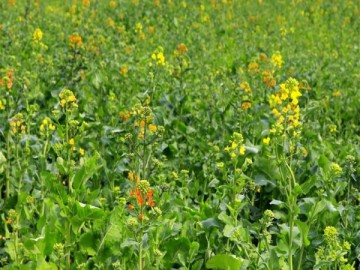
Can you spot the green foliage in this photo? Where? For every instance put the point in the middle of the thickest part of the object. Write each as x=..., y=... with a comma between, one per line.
x=151, y=134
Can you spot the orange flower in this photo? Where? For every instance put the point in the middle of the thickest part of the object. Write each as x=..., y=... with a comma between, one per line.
x=139, y=197
x=141, y=216
x=152, y=127
x=149, y=198
x=130, y=207
x=10, y=76
x=75, y=41
x=181, y=49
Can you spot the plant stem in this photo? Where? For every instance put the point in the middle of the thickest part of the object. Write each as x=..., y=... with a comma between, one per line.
x=16, y=244
x=300, y=256
x=141, y=246
x=8, y=167
x=291, y=224
x=68, y=245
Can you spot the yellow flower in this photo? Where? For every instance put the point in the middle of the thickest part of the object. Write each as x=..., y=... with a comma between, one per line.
x=81, y=151
x=72, y=142
x=336, y=93
x=242, y=150
x=337, y=170
x=37, y=35
x=71, y=99
x=220, y=165
x=276, y=60
x=124, y=70
x=160, y=59
x=332, y=128
x=246, y=105
x=330, y=233
x=138, y=27
x=112, y=4
x=266, y=140
x=2, y=107
x=86, y=3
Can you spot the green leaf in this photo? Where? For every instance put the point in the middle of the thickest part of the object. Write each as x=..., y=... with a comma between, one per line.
x=88, y=243
x=262, y=180
x=88, y=212
x=225, y=262
x=323, y=161
x=43, y=265
x=194, y=249
x=276, y=202
x=210, y=222
x=90, y=167
x=228, y=230
x=225, y=218
x=308, y=185
x=250, y=148
x=304, y=231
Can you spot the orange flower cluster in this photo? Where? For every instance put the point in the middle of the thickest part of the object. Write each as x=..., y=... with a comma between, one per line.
x=75, y=41
x=268, y=78
x=141, y=198
x=8, y=79
x=124, y=115
x=181, y=49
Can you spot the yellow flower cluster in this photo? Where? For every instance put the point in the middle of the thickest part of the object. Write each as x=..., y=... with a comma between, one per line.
x=37, y=35
x=236, y=145
x=124, y=70
x=253, y=68
x=85, y=3
x=330, y=233
x=2, y=104
x=284, y=104
x=336, y=169
x=16, y=124
x=73, y=148
x=67, y=97
x=277, y=60
x=159, y=58
x=245, y=86
x=46, y=126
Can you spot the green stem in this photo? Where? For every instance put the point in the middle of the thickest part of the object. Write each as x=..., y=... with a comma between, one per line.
x=141, y=243
x=300, y=256
x=291, y=225
x=68, y=245
x=144, y=151
x=19, y=166
x=8, y=167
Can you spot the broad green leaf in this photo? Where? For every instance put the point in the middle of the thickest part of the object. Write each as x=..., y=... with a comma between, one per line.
x=225, y=218
x=89, y=168
x=210, y=222
x=194, y=249
x=276, y=202
x=304, y=231
x=224, y=262
x=88, y=243
x=228, y=230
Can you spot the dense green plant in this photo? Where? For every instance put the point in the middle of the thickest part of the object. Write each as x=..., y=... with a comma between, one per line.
x=217, y=134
